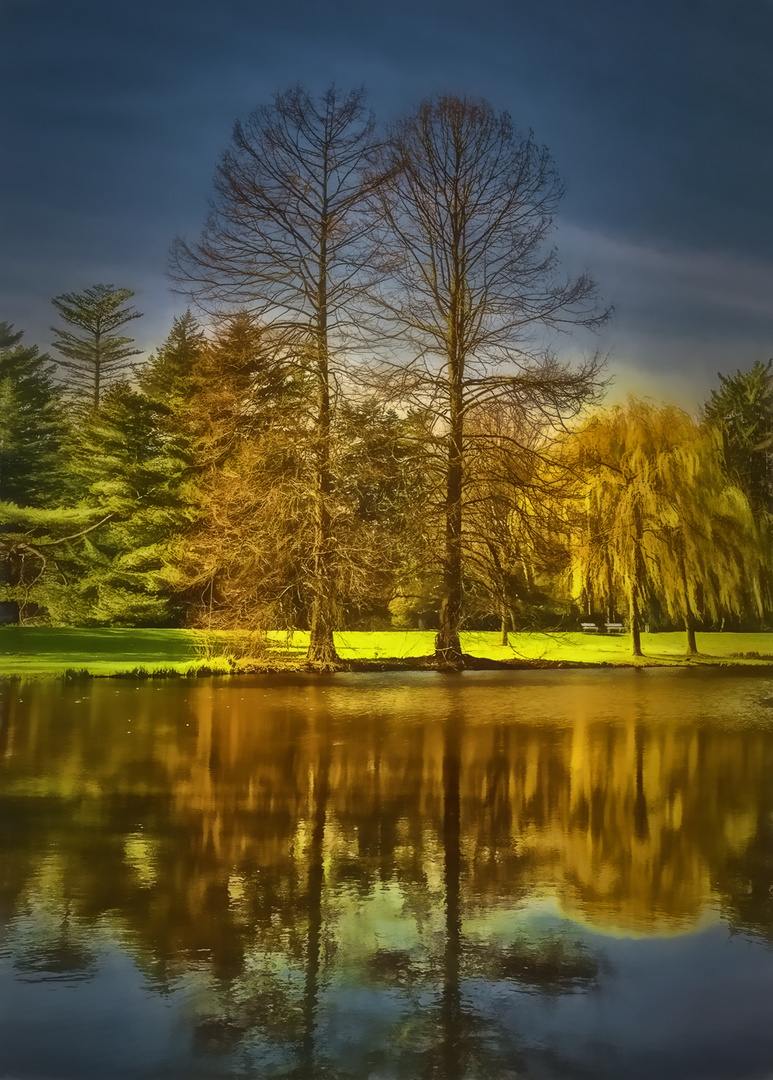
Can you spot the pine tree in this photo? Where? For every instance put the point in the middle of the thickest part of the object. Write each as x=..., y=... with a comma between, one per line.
x=96, y=357
x=167, y=375
x=132, y=465
x=743, y=408
x=244, y=559
x=31, y=424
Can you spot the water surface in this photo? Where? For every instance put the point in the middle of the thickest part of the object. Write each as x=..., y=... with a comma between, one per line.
x=534, y=874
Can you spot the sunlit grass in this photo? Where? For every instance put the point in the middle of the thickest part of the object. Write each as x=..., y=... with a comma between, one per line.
x=569, y=647
x=47, y=651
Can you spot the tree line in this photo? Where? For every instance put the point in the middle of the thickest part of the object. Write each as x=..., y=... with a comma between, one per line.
x=368, y=422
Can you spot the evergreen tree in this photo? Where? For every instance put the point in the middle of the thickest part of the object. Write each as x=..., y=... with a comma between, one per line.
x=31, y=424
x=743, y=406
x=132, y=465
x=97, y=356
x=168, y=373
x=37, y=552
x=244, y=559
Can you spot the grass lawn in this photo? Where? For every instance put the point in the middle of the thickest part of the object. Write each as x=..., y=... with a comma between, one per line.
x=47, y=651
x=44, y=650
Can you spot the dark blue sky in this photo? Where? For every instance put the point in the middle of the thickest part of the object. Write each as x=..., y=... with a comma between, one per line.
x=659, y=114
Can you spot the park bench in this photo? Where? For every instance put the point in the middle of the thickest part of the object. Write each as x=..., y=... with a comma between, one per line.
x=589, y=628
x=614, y=627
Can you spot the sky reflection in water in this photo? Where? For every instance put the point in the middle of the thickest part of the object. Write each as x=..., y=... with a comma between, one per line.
x=557, y=875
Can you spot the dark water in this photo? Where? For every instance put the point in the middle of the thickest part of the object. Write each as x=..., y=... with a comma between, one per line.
x=552, y=875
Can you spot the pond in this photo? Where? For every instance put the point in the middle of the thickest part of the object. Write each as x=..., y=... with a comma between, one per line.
x=547, y=874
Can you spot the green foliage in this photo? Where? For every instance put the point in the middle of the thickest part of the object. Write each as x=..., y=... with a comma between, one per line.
x=132, y=466
x=31, y=424
x=743, y=406
x=97, y=356
x=168, y=374
x=661, y=520
x=379, y=481
x=34, y=547
x=129, y=465
x=242, y=559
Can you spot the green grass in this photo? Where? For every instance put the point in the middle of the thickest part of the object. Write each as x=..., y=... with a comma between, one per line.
x=46, y=651
x=566, y=647
x=42, y=650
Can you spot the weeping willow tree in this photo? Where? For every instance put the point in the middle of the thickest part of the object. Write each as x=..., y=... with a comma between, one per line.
x=661, y=521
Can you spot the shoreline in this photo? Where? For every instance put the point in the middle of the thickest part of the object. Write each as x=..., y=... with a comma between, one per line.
x=74, y=653
x=382, y=665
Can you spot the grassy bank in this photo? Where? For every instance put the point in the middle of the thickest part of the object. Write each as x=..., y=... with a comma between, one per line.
x=45, y=651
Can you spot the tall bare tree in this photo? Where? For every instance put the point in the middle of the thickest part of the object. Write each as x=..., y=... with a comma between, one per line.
x=465, y=209
x=284, y=239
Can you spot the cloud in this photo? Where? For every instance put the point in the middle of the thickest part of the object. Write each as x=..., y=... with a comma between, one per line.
x=644, y=275
x=681, y=315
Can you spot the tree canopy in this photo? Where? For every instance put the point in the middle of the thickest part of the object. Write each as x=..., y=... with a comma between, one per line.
x=743, y=406
x=284, y=239
x=32, y=427
x=370, y=421
x=97, y=356
x=662, y=521
x=463, y=214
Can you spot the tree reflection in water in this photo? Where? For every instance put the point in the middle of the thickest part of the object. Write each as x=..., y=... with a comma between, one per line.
x=341, y=879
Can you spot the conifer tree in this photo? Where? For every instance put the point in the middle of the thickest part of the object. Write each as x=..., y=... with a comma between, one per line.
x=132, y=465
x=31, y=423
x=169, y=370
x=95, y=355
x=743, y=407
x=242, y=561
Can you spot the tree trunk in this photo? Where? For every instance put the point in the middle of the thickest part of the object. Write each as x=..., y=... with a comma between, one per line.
x=322, y=651
x=635, y=620
x=448, y=649
x=636, y=586
x=689, y=617
x=97, y=366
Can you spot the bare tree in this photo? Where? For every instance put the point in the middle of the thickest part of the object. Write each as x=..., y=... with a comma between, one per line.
x=284, y=239
x=465, y=208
